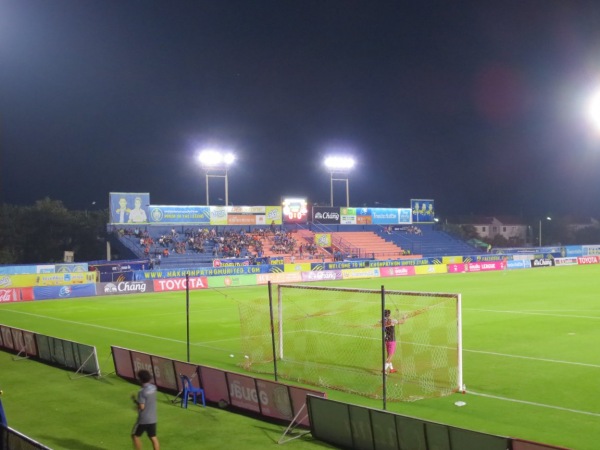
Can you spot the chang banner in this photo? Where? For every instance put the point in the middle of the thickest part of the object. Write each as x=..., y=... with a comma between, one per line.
x=166, y=215
x=326, y=215
x=128, y=208
x=422, y=210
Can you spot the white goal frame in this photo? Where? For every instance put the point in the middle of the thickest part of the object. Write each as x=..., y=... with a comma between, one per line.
x=460, y=387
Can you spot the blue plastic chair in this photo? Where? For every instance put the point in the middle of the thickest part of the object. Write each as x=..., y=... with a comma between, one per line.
x=189, y=390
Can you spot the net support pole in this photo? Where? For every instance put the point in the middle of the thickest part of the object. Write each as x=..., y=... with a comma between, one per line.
x=187, y=313
x=383, y=349
x=273, y=328
x=461, y=385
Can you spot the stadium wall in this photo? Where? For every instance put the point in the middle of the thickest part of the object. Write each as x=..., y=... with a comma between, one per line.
x=53, y=285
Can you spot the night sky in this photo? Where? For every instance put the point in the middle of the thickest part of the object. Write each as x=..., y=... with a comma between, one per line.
x=479, y=105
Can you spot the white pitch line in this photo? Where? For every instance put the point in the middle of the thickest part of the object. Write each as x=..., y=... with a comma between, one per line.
x=540, y=405
x=102, y=327
x=558, y=361
x=562, y=316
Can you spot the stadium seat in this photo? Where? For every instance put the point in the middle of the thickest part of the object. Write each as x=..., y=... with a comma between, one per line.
x=189, y=390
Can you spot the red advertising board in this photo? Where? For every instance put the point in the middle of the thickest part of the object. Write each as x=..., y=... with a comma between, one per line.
x=215, y=384
x=456, y=268
x=268, y=398
x=122, y=360
x=164, y=373
x=485, y=266
x=398, y=271
x=179, y=284
x=588, y=259
x=243, y=392
x=16, y=295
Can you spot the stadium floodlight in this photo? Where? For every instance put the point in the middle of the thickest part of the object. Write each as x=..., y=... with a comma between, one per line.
x=594, y=109
x=540, y=232
x=339, y=168
x=215, y=164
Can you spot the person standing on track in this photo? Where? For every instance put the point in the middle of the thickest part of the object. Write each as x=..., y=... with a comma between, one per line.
x=146, y=406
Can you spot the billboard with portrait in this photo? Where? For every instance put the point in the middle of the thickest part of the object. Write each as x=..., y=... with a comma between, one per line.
x=128, y=208
x=423, y=211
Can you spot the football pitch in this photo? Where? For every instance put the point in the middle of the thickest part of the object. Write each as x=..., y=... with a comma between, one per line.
x=531, y=350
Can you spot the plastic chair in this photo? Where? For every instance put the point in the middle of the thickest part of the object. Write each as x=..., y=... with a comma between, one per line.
x=189, y=390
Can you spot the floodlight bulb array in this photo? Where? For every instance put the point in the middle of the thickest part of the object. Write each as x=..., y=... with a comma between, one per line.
x=339, y=162
x=594, y=110
x=214, y=158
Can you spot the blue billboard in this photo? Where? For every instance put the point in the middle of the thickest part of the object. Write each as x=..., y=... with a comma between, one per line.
x=163, y=214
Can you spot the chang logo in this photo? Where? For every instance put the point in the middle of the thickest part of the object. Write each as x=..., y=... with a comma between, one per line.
x=110, y=289
x=65, y=291
x=156, y=214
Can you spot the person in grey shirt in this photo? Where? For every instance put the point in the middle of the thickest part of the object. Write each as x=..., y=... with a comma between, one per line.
x=146, y=406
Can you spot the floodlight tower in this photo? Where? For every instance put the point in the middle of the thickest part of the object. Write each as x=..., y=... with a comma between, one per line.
x=339, y=169
x=215, y=164
x=540, y=234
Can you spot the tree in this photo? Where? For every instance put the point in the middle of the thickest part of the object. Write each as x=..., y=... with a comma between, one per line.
x=43, y=232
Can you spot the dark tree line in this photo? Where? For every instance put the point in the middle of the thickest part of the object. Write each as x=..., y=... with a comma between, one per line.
x=43, y=232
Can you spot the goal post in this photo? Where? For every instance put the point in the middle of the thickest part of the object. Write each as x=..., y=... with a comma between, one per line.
x=332, y=337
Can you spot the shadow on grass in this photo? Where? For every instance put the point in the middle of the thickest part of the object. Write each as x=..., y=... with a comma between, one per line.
x=70, y=443
x=299, y=434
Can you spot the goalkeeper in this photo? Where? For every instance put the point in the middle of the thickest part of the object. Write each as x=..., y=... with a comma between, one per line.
x=390, y=339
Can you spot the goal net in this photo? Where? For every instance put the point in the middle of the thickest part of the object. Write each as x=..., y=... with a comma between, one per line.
x=333, y=338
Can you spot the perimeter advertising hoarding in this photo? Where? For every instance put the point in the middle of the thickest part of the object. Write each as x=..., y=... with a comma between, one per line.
x=401, y=271
x=70, y=354
x=16, y=295
x=140, y=275
x=238, y=280
x=323, y=275
x=180, y=284
x=476, y=267
x=268, y=398
x=351, y=426
x=422, y=210
x=588, y=260
x=128, y=208
x=46, y=279
x=125, y=287
x=18, y=340
x=75, y=291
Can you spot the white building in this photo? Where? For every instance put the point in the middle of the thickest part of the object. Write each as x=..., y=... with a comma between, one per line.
x=490, y=227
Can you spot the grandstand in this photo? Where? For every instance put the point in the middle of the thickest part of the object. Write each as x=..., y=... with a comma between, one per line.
x=347, y=242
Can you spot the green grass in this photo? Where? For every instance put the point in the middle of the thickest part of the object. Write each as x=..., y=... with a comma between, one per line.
x=531, y=362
